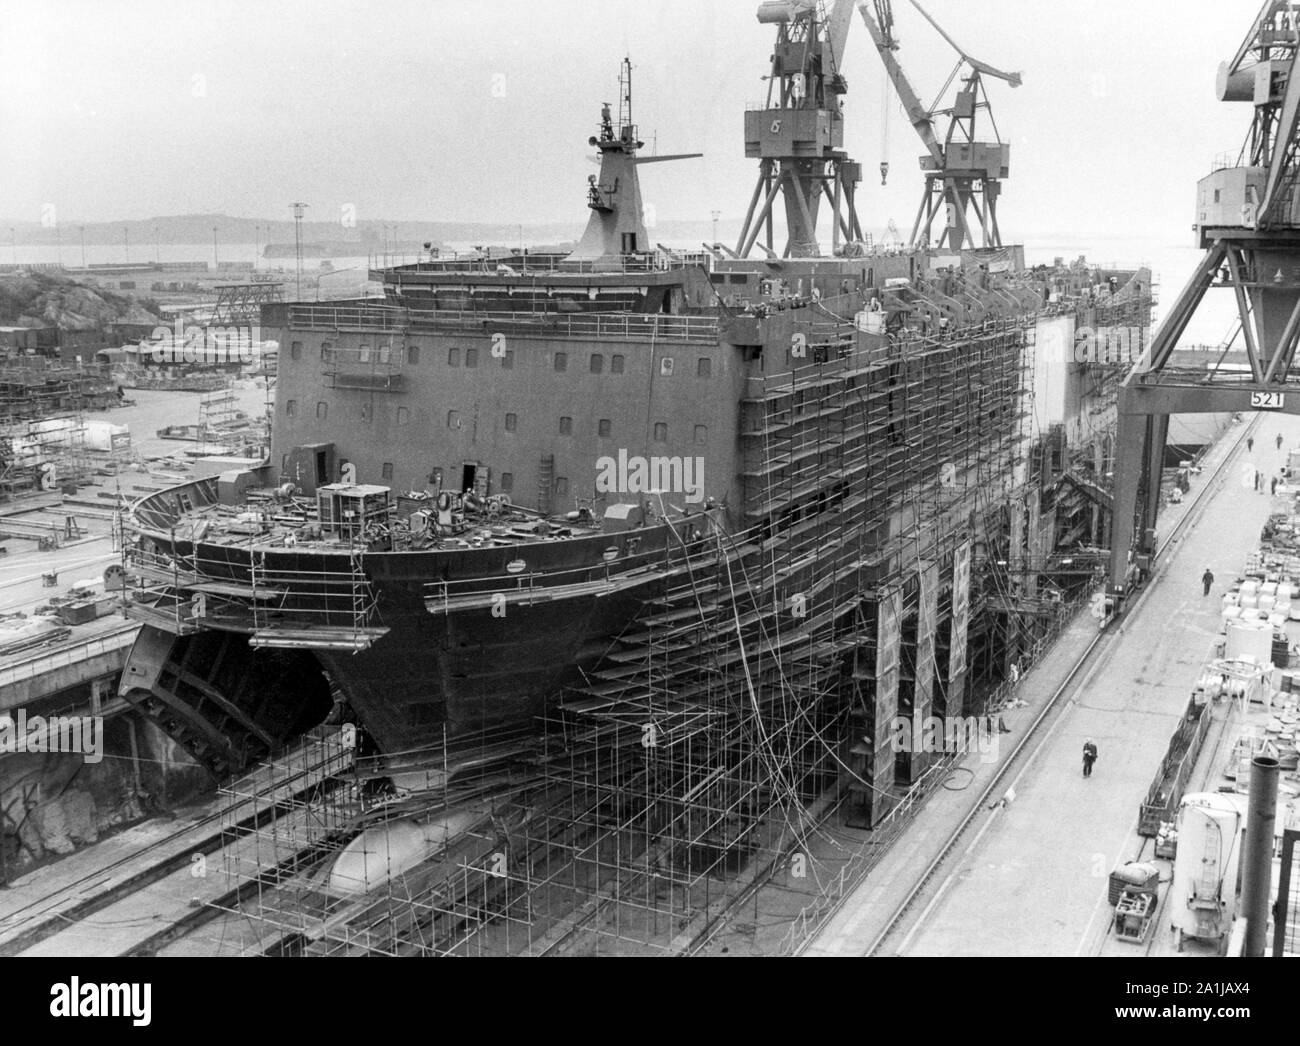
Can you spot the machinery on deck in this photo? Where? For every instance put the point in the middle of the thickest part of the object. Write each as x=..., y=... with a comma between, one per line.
x=1248, y=222
x=962, y=174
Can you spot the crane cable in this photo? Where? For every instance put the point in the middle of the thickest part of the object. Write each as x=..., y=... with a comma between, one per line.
x=884, y=130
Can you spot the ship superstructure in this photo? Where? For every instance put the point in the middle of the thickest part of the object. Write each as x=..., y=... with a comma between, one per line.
x=698, y=527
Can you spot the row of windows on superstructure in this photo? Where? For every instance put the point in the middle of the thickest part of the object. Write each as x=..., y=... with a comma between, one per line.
x=604, y=426
x=560, y=361
x=323, y=409
x=505, y=483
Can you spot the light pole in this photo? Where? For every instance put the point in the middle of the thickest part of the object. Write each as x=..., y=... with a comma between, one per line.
x=298, y=211
x=157, y=253
x=215, y=264
x=13, y=244
x=126, y=239
x=716, y=216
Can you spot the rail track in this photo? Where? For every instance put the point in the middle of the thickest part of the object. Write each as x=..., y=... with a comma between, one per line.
x=27, y=925
x=1032, y=740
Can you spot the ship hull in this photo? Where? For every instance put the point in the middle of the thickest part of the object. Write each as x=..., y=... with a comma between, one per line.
x=425, y=647
x=446, y=677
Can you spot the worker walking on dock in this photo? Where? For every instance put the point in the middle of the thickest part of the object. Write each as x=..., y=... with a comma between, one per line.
x=1250, y=444
x=1089, y=757
x=1207, y=579
x=1279, y=441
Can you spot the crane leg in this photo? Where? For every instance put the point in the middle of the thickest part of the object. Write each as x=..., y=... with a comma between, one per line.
x=752, y=215
x=921, y=212
x=1139, y=456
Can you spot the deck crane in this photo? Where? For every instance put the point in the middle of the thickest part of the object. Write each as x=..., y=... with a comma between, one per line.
x=797, y=134
x=1248, y=224
x=962, y=174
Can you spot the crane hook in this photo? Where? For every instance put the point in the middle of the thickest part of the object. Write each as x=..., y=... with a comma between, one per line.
x=884, y=171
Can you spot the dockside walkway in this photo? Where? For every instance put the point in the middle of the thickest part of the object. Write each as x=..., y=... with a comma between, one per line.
x=1030, y=875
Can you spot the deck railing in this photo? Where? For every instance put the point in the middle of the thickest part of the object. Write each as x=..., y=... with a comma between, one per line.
x=526, y=264
x=529, y=586
x=621, y=325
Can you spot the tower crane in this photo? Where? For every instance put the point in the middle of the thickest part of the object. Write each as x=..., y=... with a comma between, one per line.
x=962, y=174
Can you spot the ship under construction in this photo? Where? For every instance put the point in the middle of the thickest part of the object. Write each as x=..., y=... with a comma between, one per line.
x=623, y=566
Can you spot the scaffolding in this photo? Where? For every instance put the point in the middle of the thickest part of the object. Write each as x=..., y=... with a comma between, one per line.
x=354, y=866
x=240, y=304
x=748, y=713
x=42, y=424
x=727, y=725
x=299, y=606
x=224, y=429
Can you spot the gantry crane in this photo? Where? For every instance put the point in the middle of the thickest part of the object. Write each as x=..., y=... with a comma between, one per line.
x=961, y=173
x=1248, y=223
x=798, y=133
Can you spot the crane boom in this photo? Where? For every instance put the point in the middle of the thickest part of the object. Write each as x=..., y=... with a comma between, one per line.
x=963, y=172
x=837, y=30
x=1252, y=37
x=917, y=114
x=1281, y=163
x=1013, y=79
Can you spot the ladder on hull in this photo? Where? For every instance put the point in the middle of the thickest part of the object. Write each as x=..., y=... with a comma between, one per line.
x=545, y=483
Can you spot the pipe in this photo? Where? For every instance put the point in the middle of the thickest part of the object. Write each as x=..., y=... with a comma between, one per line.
x=1260, y=817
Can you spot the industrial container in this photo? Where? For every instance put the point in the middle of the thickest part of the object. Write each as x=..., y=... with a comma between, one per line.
x=1202, y=895
x=1132, y=875
x=78, y=613
x=1249, y=641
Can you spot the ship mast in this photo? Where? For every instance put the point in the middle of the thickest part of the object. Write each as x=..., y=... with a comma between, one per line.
x=616, y=229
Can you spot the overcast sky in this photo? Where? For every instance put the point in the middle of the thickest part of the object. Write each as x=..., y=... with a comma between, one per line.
x=443, y=110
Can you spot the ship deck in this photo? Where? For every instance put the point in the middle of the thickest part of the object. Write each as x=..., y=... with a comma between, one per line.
x=265, y=519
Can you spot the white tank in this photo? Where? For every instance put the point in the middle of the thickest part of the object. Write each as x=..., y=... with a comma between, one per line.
x=872, y=322
x=1249, y=640
x=385, y=852
x=1203, y=893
